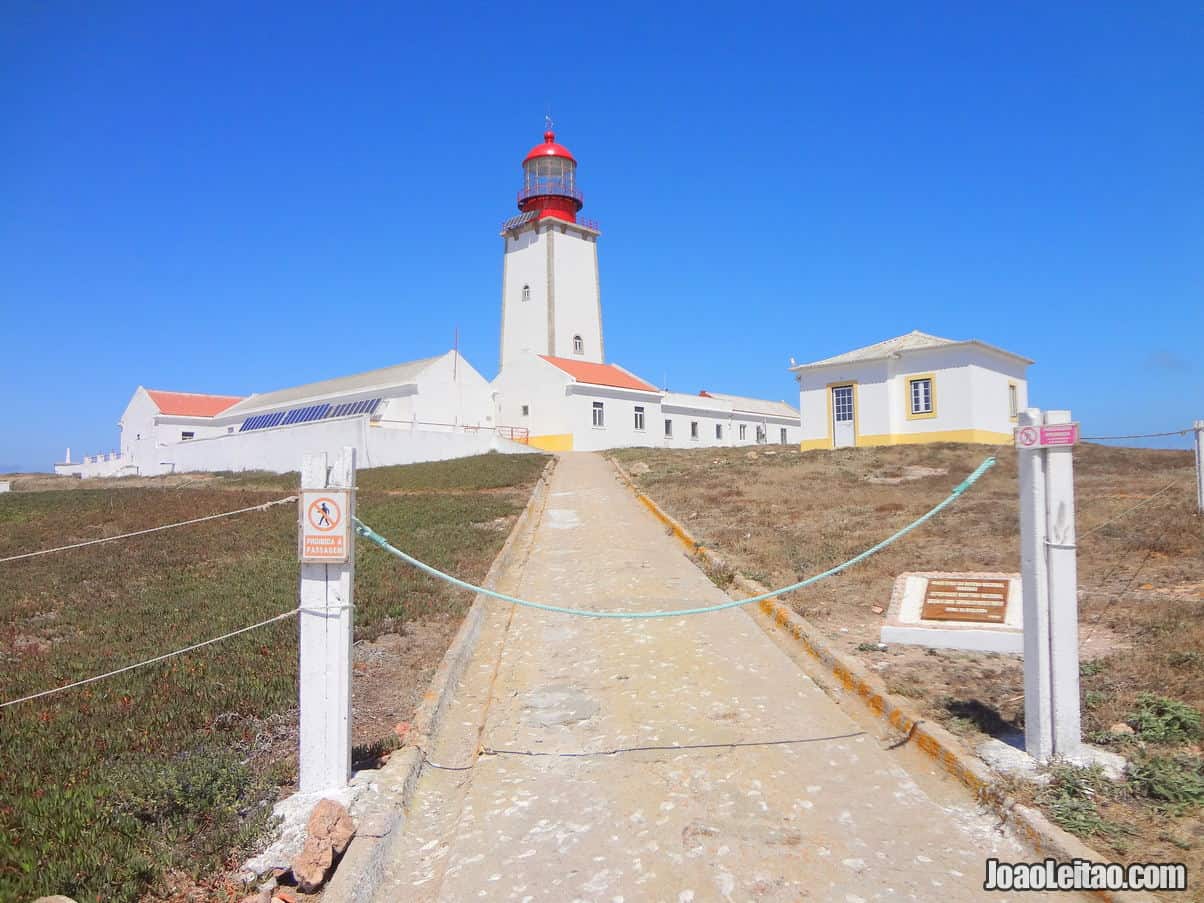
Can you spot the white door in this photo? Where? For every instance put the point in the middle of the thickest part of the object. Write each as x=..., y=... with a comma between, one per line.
x=843, y=434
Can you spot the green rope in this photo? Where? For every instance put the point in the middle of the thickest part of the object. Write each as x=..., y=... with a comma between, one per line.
x=368, y=533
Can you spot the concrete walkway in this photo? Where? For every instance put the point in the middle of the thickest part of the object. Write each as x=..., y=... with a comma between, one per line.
x=592, y=793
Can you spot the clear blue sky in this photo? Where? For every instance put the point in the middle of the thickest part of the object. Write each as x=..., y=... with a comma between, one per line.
x=239, y=197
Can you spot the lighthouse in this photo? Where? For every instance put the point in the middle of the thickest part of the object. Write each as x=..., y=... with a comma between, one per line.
x=551, y=302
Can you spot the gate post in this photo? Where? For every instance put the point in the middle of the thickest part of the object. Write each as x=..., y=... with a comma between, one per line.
x=1038, y=717
x=1048, y=561
x=327, y=552
x=1198, y=426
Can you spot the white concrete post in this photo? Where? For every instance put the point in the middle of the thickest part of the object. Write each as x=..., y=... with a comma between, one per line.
x=1048, y=561
x=1038, y=700
x=325, y=643
x=1062, y=567
x=1199, y=428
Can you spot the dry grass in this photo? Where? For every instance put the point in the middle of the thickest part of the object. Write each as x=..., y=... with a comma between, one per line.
x=778, y=515
x=174, y=767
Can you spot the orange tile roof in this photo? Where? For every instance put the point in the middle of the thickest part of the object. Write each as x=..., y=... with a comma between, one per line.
x=190, y=404
x=599, y=374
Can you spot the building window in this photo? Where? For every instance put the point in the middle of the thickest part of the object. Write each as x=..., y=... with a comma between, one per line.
x=578, y=345
x=187, y=434
x=526, y=410
x=599, y=416
x=760, y=435
x=526, y=293
x=718, y=430
x=693, y=429
x=1013, y=401
x=639, y=417
x=668, y=429
x=921, y=396
x=783, y=435
x=743, y=431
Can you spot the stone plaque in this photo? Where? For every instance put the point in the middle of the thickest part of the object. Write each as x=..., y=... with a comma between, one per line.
x=981, y=611
x=966, y=599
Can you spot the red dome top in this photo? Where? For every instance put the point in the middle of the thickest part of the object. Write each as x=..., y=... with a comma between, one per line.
x=549, y=148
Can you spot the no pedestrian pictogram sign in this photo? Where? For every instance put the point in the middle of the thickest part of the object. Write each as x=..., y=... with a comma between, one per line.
x=1049, y=436
x=325, y=521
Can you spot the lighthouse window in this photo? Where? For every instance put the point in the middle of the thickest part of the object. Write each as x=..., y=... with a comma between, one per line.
x=599, y=417
x=578, y=345
x=526, y=293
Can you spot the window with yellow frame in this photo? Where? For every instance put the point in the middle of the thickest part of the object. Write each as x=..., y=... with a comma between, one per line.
x=921, y=396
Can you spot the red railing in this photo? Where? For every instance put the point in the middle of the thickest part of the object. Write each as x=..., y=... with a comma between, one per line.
x=514, y=433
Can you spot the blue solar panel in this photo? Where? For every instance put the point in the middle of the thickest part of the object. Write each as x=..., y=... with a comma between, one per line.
x=516, y=221
x=310, y=413
x=348, y=408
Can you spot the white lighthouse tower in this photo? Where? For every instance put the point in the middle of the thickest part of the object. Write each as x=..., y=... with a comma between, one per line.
x=551, y=303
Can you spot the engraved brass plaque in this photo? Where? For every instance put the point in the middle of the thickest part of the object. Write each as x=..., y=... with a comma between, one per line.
x=953, y=599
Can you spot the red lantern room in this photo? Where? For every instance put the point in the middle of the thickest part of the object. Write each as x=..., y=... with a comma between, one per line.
x=550, y=181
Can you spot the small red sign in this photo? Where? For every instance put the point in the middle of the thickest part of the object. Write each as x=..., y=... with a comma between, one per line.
x=1050, y=436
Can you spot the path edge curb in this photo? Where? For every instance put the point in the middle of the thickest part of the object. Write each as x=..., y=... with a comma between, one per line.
x=1044, y=836
x=392, y=787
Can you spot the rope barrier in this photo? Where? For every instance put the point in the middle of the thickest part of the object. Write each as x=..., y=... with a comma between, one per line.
x=183, y=523
x=371, y=535
x=150, y=661
x=1138, y=436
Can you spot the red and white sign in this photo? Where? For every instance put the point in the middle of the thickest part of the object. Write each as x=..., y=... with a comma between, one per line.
x=325, y=523
x=1050, y=436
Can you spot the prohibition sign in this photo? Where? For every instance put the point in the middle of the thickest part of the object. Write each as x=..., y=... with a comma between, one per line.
x=324, y=514
x=1027, y=437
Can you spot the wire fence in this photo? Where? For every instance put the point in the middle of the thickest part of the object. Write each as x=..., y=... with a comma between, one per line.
x=184, y=523
x=150, y=661
x=1138, y=436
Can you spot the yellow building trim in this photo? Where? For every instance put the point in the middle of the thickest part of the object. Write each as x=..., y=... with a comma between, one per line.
x=553, y=442
x=907, y=398
x=813, y=444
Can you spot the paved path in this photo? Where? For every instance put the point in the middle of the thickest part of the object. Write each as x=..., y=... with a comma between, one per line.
x=829, y=816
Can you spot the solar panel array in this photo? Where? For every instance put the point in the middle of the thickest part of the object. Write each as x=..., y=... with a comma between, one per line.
x=307, y=414
x=516, y=221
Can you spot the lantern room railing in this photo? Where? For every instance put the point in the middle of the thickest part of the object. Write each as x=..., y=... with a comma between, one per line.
x=557, y=187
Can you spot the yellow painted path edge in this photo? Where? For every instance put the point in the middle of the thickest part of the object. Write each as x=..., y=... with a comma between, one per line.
x=1044, y=836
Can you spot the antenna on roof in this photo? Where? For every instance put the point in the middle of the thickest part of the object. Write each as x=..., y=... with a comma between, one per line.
x=547, y=118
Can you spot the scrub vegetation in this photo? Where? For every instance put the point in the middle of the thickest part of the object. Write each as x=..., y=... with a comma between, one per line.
x=159, y=778
x=778, y=515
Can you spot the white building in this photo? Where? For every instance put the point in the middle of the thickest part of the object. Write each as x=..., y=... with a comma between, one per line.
x=911, y=389
x=554, y=382
x=423, y=410
x=153, y=420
